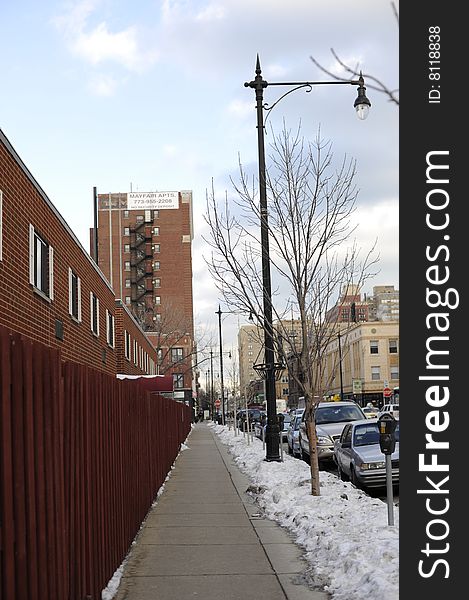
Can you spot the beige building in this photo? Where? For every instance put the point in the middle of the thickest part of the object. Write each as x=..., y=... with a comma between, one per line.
x=251, y=352
x=370, y=361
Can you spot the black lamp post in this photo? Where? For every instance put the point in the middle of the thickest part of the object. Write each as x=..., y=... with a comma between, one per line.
x=362, y=105
x=219, y=313
x=340, y=370
x=211, y=385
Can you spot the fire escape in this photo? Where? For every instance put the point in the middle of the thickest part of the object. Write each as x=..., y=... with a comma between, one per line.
x=142, y=272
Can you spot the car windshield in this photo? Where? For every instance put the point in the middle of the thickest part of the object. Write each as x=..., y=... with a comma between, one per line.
x=337, y=414
x=367, y=434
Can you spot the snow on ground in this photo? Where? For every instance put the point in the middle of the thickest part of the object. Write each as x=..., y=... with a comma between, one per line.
x=352, y=551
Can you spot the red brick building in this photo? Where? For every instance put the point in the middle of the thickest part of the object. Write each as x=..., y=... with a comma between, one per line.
x=144, y=249
x=51, y=290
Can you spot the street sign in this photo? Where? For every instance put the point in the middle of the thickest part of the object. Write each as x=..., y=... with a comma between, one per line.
x=387, y=392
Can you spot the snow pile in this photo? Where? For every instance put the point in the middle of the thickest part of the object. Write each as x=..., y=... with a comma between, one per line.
x=352, y=551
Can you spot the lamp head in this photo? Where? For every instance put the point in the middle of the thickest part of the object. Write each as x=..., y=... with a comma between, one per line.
x=362, y=104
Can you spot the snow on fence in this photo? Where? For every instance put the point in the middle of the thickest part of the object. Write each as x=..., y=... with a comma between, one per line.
x=82, y=456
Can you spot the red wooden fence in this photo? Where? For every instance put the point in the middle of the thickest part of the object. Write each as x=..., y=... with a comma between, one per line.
x=82, y=456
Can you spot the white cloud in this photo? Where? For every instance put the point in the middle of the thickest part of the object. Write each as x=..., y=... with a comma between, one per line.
x=212, y=12
x=99, y=44
x=102, y=85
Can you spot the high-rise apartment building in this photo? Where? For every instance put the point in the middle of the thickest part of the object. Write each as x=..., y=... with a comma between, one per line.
x=144, y=247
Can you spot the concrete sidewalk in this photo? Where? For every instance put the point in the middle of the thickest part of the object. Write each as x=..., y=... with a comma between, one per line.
x=206, y=539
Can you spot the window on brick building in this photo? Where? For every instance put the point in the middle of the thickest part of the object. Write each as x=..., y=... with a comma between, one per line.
x=157, y=283
x=157, y=317
x=110, y=329
x=126, y=214
x=74, y=295
x=373, y=346
x=128, y=300
x=157, y=300
x=41, y=264
x=156, y=265
x=139, y=218
x=156, y=214
x=176, y=354
x=126, y=230
x=156, y=231
x=127, y=344
x=178, y=381
x=127, y=265
x=156, y=248
x=94, y=313
x=148, y=216
x=135, y=352
x=128, y=283
x=126, y=247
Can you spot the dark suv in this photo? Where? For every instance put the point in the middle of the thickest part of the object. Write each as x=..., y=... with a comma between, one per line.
x=331, y=418
x=255, y=415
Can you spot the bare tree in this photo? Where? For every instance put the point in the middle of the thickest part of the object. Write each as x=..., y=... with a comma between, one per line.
x=354, y=72
x=312, y=254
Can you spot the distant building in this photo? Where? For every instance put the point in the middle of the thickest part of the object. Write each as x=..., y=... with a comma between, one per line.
x=370, y=361
x=350, y=307
x=384, y=304
x=144, y=244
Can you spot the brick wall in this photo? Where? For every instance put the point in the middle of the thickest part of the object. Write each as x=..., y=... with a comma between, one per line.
x=28, y=312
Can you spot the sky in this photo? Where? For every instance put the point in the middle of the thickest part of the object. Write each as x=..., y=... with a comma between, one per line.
x=342, y=526
x=150, y=95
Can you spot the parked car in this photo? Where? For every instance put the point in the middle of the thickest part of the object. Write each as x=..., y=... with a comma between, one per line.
x=392, y=409
x=254, y=416
x=358, y=455
x=371, y=412
x=331, y=418
x=259, y=427
x=293, y=434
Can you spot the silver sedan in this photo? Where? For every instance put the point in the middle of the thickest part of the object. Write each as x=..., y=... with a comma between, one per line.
x=358, y=455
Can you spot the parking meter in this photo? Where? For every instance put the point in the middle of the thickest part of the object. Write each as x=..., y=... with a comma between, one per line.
x=386, y=427
x=281, y=419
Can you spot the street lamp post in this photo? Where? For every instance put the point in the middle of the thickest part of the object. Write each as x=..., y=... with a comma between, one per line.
x=219, y=313
x=211, y=385
x=362, y=105
x=340, y=369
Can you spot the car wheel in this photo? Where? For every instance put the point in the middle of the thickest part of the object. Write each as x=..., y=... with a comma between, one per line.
x=341, y=474
x=353, y=478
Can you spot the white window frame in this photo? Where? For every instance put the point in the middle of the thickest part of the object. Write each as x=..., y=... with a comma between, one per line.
x=135, y=353
x=94, y=306
x=110, y=329
x=36, y=240
x=76, y=317
x=127, y=344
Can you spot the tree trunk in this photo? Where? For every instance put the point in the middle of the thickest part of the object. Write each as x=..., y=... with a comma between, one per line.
x=313, y=454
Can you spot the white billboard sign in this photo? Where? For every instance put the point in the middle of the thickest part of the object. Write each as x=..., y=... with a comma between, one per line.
x=152, y=200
